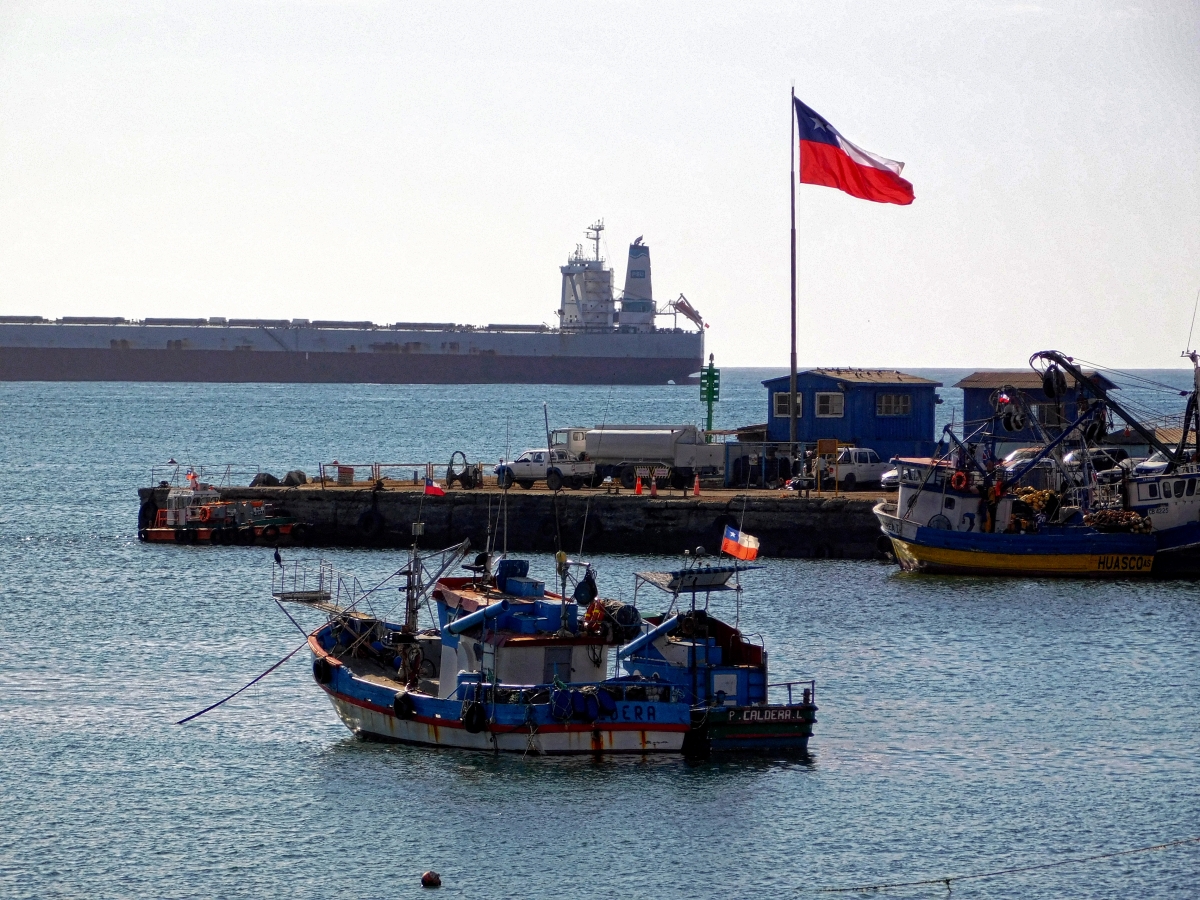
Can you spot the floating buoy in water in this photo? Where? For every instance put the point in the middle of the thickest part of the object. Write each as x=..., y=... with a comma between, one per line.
x=431, y=879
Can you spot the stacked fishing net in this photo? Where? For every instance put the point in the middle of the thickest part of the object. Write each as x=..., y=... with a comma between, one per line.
x=1038, y=500
x=1111, y=520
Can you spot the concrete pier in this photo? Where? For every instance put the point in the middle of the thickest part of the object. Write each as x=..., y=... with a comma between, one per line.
x=540, y=521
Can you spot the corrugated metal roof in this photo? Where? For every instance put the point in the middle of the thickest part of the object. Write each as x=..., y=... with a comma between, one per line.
x=863, y=376
x=1169, y=436
x=1022, y=380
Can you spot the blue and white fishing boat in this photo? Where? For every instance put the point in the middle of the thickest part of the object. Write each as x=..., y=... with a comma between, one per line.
x=509, y=666
x=963, y=513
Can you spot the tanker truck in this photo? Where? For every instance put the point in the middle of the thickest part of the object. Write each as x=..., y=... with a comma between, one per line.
x=673, y=453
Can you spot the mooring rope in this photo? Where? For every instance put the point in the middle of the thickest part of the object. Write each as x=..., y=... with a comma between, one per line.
x=243, y=687
x=948, y=879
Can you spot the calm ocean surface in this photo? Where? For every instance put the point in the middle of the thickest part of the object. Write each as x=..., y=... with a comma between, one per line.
x=966, y=725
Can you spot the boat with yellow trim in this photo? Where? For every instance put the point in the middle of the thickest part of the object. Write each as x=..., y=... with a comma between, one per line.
x=964, y=512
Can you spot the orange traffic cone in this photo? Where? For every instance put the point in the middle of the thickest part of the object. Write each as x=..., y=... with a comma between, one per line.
x=653, y=486
x=638, y=489
x=696, y=486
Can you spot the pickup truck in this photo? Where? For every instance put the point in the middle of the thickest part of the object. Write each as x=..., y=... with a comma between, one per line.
x=856, y=466
x=531, y=466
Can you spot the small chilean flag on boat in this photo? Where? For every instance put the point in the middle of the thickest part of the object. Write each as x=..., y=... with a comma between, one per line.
x=828, y=159
x=739, y=544
x=432, y=488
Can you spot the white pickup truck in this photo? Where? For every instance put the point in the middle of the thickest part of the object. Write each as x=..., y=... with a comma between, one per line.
x=856, y=467
x=561, y=470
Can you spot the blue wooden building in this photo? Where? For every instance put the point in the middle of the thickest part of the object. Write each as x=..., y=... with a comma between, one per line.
x=979, y=389
x=888, y=411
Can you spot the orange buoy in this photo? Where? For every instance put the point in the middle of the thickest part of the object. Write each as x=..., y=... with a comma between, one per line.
x=431, y=879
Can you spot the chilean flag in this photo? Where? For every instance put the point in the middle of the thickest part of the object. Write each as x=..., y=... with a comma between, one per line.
x=739, y=544
x=828, y=159
x=432, y=488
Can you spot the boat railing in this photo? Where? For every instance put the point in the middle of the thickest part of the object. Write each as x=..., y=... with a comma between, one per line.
x=219, y=475
x=807, y=689
x=347, y=474
x=303, y=581
x=531, y=694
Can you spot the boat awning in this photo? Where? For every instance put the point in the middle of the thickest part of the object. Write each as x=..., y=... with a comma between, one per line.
x=701, y=578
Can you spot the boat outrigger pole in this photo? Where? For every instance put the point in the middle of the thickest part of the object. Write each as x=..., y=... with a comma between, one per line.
x=1066, y=364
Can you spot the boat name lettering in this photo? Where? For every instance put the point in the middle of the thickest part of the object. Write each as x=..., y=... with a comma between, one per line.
x=638, y=712
x=785, y=714
x=1112, y=562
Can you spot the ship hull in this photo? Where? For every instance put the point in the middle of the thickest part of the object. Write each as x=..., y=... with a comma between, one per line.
x=52, y=352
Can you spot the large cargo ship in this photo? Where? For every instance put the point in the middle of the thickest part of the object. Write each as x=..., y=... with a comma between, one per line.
x=598, y=339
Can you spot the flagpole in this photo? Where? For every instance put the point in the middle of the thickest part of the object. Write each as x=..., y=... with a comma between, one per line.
x=792, y=151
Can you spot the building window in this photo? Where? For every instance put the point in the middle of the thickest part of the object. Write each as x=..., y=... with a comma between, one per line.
x=831, y=406
x=781, y=406
x=893, y=404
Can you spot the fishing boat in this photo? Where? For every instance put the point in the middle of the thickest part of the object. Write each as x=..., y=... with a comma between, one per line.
x=196, y=513
x=509, y=666
x=964, y=513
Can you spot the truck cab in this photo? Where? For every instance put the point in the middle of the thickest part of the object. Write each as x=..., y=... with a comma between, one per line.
x=857, y=466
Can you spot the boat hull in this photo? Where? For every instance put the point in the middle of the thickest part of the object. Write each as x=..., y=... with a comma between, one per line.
x=1079, y=553
x=368, y=708
x=567, y=739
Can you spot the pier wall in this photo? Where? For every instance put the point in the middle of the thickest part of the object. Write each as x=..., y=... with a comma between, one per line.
x=540, y=521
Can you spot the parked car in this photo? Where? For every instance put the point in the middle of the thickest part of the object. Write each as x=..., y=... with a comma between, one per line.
x=1019, y=457
x=890, y=480
x=1157, y=462
x=1110, y=463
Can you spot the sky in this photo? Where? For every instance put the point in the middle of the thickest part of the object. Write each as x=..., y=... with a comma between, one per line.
x=396, y=161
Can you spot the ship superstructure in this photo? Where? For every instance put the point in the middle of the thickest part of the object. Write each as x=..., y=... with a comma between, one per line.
x=595, y=342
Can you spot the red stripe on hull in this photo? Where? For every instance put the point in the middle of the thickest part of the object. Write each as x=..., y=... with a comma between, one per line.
x=830, y=166
x=231, y=366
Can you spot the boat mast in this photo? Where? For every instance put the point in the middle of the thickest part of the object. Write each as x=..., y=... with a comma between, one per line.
x=1056, y=358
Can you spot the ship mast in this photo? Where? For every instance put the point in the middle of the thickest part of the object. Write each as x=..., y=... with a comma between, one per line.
x=593, y=233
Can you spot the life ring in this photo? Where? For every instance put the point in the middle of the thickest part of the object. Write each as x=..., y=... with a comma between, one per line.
x=959, y=481
x=205, y=514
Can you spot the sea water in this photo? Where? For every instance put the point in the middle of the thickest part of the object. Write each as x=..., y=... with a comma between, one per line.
x=965, y=725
